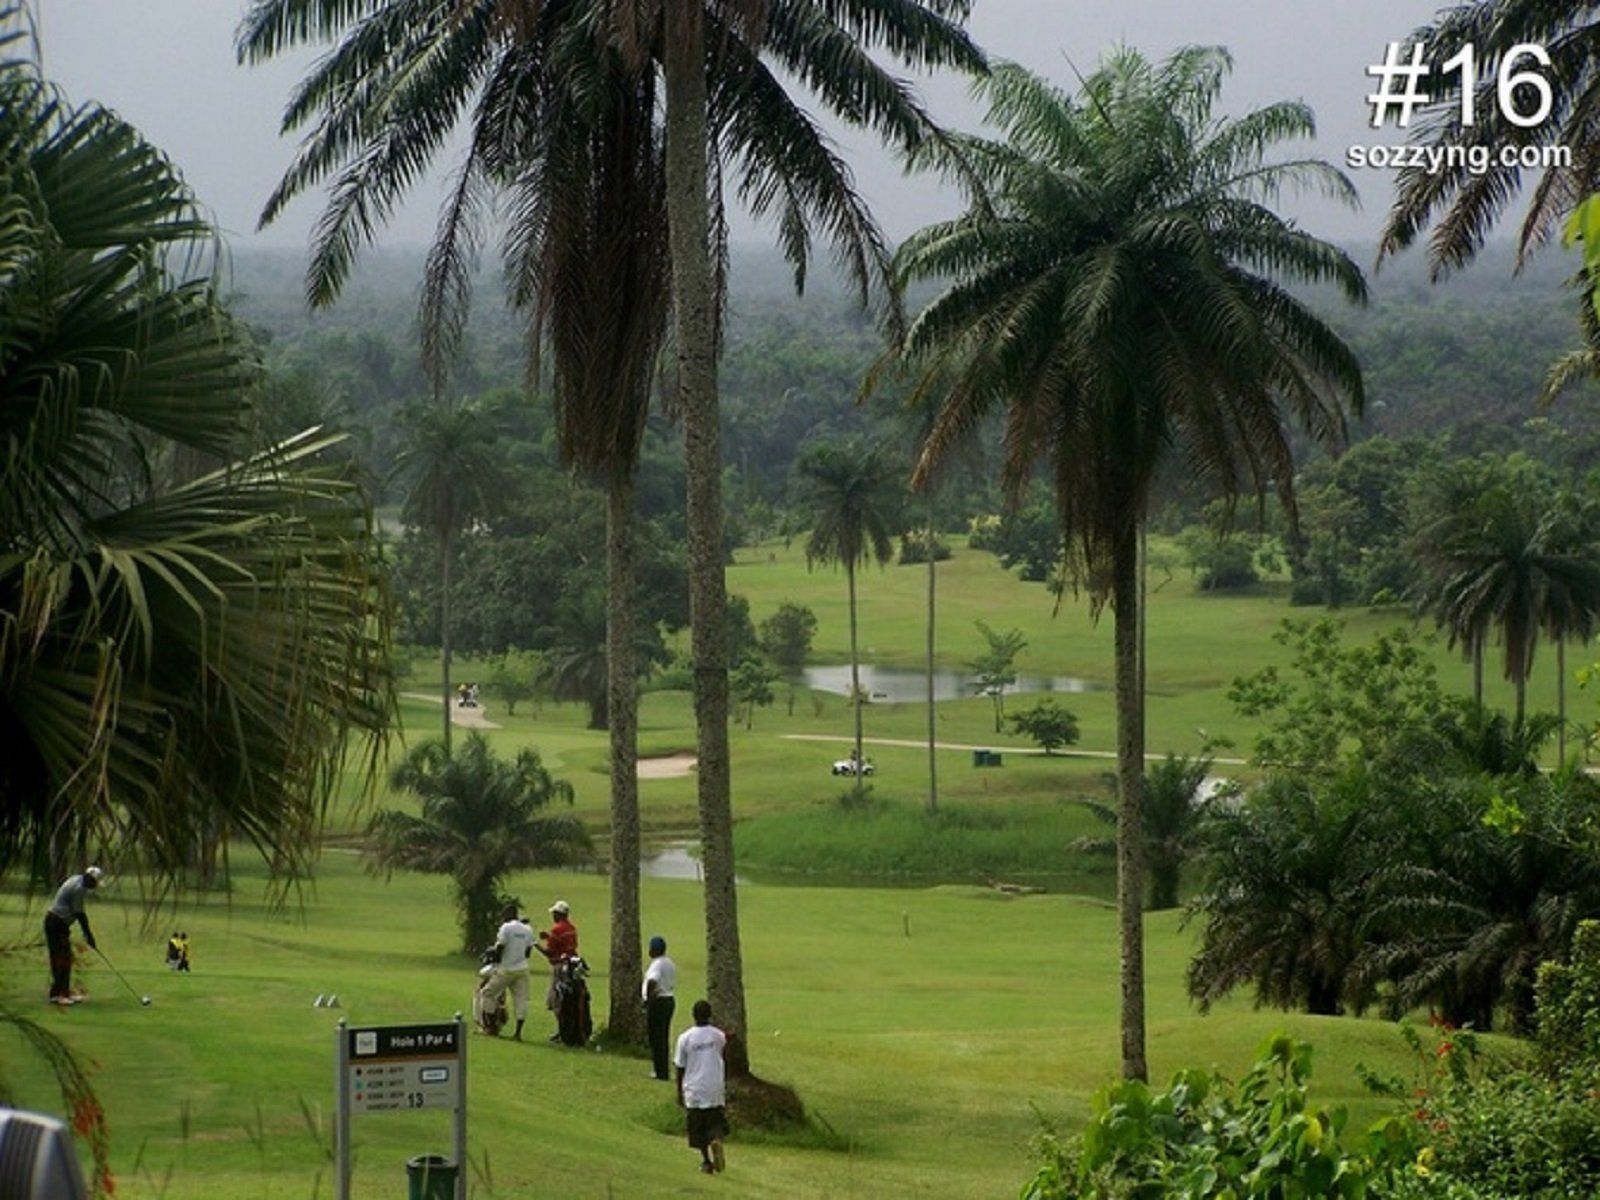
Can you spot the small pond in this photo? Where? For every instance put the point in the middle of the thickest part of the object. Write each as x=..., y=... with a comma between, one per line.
x=902, y=685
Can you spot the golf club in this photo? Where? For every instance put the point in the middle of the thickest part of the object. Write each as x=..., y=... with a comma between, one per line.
x=143, y=1000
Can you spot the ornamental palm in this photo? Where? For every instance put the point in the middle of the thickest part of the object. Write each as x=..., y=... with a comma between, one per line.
x=1463, y=205
x=850, y=495
x=1118, y=292
x=481, y=820
x=173, y=656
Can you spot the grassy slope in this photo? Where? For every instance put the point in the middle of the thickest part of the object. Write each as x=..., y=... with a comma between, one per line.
x=925, y=1052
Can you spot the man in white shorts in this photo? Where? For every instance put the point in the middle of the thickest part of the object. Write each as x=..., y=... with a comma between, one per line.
x=514, y=943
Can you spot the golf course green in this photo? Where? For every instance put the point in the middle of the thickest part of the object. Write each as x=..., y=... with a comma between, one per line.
x=925, y=1026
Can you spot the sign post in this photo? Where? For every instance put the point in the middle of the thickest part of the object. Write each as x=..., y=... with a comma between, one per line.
x=399, y=1068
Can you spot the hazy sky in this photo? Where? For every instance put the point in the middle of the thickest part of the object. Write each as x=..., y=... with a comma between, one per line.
x=168, y=66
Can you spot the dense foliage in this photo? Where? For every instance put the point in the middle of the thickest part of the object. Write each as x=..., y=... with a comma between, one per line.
x=1402, y=851
x=1206, y=1136
x=192, y=618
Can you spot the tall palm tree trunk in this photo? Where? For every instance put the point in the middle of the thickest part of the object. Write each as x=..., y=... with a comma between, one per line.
x=933, y=757
x=1522, y=694
x=1130, y=780
x=1477, y=671
x=694, y=308
x=625, y=1019
x=1561, y=699
x=855, y=674
x=445, y=546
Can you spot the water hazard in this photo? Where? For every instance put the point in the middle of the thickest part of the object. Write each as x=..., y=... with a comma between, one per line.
x=902, y=685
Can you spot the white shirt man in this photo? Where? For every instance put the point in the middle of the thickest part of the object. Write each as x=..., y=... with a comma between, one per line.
x=660, y=982
x=515, y=944
x=702, y=1086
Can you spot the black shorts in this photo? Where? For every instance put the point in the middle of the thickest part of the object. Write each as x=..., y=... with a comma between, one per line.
x=707, y=1125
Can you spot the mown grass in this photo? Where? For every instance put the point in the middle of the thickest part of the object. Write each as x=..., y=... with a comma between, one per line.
x=923, y=1053
x=1021, y=842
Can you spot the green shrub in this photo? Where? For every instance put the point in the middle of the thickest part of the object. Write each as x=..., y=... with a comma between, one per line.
x=1567, y=1014
x=914, y=547
x=1204, y=1137
x=1497, y=1130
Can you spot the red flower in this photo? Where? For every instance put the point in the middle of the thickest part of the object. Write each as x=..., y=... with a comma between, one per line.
x=1445, y=1048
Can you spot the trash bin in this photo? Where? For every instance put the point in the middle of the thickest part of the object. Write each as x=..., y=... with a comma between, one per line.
x=430, y=1177
x=994, y=758
x=980, y=758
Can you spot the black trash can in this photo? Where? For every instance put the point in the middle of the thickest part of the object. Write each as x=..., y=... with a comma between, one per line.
x=431, y=1177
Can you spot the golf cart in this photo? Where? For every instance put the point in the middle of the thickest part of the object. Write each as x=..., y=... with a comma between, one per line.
x=847, y=766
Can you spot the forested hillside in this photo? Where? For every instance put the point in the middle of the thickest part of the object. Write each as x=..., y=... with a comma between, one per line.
x=1464, y=357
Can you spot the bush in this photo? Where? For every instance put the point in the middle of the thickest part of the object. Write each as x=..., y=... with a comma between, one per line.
x=1204, y=1137
x=1495, y=1131
x=915, y=547
x=1048, y=724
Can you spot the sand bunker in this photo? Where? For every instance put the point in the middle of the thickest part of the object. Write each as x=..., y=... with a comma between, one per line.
x=671, y=766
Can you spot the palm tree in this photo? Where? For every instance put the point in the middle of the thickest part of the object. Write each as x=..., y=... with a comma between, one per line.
x=1463, y=203
x=481, y=819
x=174, y=655
x=1464, y=923
x=449, y=465
x=1118, y=291
x=565, y=132
x=575, y=653
x=1287, y=892
x=849, y=496
x=387, y=98
x=722, y=99
x=1174, y=809
x=1512, y=561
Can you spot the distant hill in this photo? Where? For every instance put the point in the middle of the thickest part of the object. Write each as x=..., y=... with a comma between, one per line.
x=1463, y=358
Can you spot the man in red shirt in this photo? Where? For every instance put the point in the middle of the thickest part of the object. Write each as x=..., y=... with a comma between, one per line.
x=557, y=944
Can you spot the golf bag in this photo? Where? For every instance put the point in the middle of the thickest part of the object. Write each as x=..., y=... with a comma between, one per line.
x=489, y=1017
x=573, y=1019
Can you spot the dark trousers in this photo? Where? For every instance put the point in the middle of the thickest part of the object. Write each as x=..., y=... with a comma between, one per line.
x=658, y=1019
x=58, y=936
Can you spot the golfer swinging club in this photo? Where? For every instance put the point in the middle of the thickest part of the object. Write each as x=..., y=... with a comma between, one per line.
x=67, y=907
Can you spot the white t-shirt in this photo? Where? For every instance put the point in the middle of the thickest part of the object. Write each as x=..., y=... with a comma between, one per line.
x=665, y=973
x=700, y=1056
x=515, y=940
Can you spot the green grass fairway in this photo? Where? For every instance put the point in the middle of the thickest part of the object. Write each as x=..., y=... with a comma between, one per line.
x=923, y=1053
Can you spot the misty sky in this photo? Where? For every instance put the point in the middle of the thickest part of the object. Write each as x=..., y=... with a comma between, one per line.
x=168, y=66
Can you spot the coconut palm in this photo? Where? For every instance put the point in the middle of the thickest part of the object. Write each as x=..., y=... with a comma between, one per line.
x=449, y=466
x=1119, y=293
x=850, y=496
x=174, y=656
x=481, y=819
x=1461, y=203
